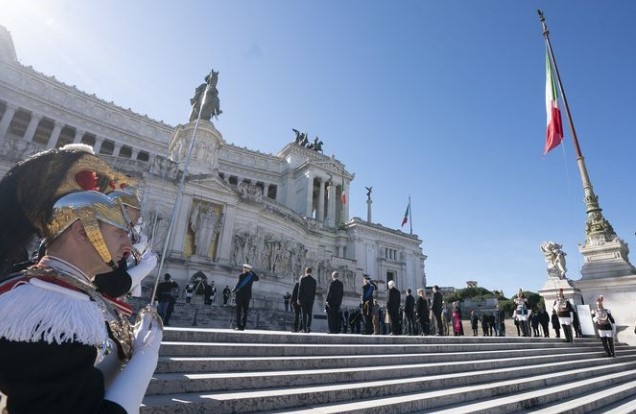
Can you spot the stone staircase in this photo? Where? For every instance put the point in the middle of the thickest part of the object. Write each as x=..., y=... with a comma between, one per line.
x=223, y=371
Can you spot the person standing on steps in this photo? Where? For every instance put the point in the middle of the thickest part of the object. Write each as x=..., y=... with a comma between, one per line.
x=333, y=302
x=564, y=310
x=243, y=294
x=226, y=294
x=437, y=307
x=166, y=298
x=605, y=326
x=393, y=308
x=306, y=297
x=366, y=303
x=296, y=307
x=422, y=312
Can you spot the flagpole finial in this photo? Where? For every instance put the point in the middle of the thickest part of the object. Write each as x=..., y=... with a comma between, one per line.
x=546, y=32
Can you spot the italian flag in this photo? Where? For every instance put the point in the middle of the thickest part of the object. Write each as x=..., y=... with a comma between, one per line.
x=554, y=131
x=406, y=214
x=343, y=197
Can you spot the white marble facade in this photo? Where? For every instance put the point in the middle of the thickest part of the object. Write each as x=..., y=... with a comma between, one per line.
x=279, y=212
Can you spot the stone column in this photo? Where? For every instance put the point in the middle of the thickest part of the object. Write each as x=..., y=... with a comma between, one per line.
x=78, y=136
x=33, y=125
x=331, y=205
x=310, y=194
x=224, y=252
x=55, y=135
x=265, y=190
x=98, y=144
x=7, y=118
x=134, y=154
x=321, y=201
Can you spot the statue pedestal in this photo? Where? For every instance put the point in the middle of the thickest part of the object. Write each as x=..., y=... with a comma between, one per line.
x=552, y=287
x=618, y=294
x=603, y=259
x=207, y=142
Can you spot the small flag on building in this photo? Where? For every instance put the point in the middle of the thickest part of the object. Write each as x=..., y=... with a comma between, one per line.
x=554, y=131
x=406, y=214
x=343, y=197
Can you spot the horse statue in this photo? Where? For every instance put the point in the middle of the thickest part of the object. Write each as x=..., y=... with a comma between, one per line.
x=212, y=104
x=317, y=145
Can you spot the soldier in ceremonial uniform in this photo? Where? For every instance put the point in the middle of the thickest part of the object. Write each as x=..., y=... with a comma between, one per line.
x=564, y=310
x=132, y=269
x=62, y=343
x=605, y=326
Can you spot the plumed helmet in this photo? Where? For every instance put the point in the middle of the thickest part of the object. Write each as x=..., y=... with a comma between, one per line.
x=90, y=208
x=126, y=196
x=29, y=190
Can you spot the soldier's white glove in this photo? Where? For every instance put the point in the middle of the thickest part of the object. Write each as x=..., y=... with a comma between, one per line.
x=138, y=272
x=129, y=387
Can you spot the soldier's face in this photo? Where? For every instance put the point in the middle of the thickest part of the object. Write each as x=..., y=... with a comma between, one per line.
x=116, y=240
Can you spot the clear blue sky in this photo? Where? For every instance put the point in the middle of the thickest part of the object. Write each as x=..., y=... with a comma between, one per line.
x=440, y=100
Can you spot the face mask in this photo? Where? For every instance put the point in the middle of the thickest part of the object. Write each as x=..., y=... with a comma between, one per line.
x=116, y=283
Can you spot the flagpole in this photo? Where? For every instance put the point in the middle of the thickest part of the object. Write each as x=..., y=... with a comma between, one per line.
x=595, y=222
x=177, y=203
x=410, y=214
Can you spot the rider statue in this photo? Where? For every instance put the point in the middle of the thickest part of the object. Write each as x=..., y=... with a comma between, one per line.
x=212, y=104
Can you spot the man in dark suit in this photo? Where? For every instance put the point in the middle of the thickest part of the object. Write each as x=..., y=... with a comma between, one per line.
x=393, y=308
x=243, y=292
x=296, y=306
x=333, y=302
x=409, y=313
x=436, y=307
x=306, y=296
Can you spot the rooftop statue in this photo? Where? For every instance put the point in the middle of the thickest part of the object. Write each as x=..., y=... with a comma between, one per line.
x=302, y=139
x=212, y=104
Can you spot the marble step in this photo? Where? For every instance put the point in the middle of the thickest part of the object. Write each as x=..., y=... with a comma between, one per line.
x=259, y=363
x=626, y=405
x=517, y=398
x=268, y=349
x=597, y=401
x=262, y=337
x=442, y=389
x=208, y=382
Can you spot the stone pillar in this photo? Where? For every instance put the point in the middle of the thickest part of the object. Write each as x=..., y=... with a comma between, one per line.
x=369, y=202
x=265, y=190
x=331, y=206
x=33, y=125
x=7, y=118
x=78, y=136
x=98, y=144
x=321, y=201
x=224, y=252
x=55, y=135
x=310, y=194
